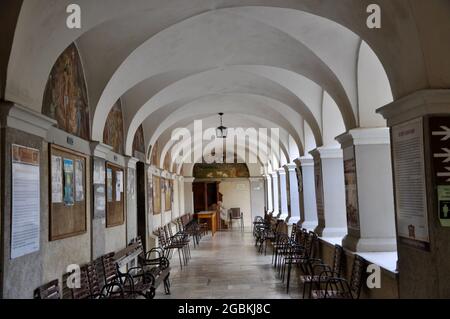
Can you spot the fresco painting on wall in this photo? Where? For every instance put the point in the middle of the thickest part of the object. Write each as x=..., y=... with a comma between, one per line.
x=238, y=170
x=138, y=142
x=65, y=96
x=113, y=132
x=155, y=155
x=167, y=162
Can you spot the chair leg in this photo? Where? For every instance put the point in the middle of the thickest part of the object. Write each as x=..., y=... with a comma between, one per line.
x=179, y=255
x=288, y=277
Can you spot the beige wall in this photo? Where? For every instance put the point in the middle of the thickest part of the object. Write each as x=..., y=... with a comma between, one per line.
x=236, y=193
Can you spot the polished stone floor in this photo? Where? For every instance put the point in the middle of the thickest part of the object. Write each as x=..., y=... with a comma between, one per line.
x=227, y=266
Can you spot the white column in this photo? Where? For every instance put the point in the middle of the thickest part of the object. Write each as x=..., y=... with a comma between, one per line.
x=294, y=194
x=181, y=195
x=269, y=193
x=283, y=194
x=275, y=195
x=188, y=195
x=309, y=193
x=176, y=201
x=369, y=190
x=330, y=192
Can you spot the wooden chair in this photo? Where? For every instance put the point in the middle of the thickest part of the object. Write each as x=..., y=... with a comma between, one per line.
x=317, y=276
x=337, y=287
x=300, y=255
x=236, y=214
x=48, y=291
x=168, y=247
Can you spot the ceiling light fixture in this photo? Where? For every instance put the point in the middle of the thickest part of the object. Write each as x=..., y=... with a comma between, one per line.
x=221, y=131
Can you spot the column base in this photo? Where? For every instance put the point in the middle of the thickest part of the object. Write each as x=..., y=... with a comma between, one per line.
x=293, y=220
x=309, y=225
x=283, y=216
x=331, y=231
x=356, y=244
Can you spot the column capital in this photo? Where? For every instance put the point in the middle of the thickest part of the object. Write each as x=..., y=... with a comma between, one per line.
x=100, y=150
x=131, y=161
x=325, y=152
x=306, y=161
x=365, y=136
x=281, y=171
x=291, y=167
x=24, y=119
x=417, y=104
x=189, y=179
x=256, y=179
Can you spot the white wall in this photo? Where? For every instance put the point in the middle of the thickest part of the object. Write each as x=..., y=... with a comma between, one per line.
x=236, y=193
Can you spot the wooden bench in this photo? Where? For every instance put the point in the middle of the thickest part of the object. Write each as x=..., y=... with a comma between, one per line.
x=90, y=286
x=48, y=291
x=155, y=263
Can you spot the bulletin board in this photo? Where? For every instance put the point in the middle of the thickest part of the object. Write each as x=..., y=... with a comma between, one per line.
x=156, y=195
x=67, y=193
x=115, y=199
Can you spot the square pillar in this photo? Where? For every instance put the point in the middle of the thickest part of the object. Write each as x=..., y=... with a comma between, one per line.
x=269, y=193
x=284, y=212
x=310, y=221
x=330, y=192
x=275, y=195
x=369, y=190
x=420, y=143
x=294, y=194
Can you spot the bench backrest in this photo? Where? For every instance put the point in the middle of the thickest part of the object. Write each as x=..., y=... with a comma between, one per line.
x=83, y=292
x=48, y=291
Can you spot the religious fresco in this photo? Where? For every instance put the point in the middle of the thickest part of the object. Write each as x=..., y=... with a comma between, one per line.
x=351, y=194
x=113, y=132
x=154, y=155
x=65, y=96
x=238, y=170
x=167, y=162
x=138, y=141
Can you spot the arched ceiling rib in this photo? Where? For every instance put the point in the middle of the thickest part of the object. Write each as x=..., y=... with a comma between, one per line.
x=238, y=120
x=229, y=104
x=218, y=39
x=41, y=35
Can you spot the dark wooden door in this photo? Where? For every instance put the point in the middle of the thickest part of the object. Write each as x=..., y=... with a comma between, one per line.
x=199, y=191
x=141, y=201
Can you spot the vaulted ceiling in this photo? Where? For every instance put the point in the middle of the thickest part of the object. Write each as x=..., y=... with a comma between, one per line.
x=264, y=63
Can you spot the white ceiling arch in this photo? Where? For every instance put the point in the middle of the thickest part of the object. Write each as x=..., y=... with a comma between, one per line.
x=230, y=104
x=41, y=35
x=211, y=40
x=240, y=121
x=218, y=81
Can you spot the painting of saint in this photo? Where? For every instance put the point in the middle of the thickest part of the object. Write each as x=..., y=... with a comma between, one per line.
x=113, y=132
x=65, y=97
x=138, y=142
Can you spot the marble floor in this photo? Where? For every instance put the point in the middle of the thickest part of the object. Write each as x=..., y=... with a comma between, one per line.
x=227, y=266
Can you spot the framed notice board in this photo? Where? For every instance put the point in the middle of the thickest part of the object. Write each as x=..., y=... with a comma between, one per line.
x=67, y=194
x=115, y=199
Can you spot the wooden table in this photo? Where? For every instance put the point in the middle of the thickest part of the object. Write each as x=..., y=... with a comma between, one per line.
x=211, y=219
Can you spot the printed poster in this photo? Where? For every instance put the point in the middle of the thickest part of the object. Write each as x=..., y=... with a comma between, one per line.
x=26, y=210
x=410, y=188
x=444, y=204
x=79, y=181
x=99, y=172
x=119, y=185
x=57, y=179
x=109, y=185
x=69, y=183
